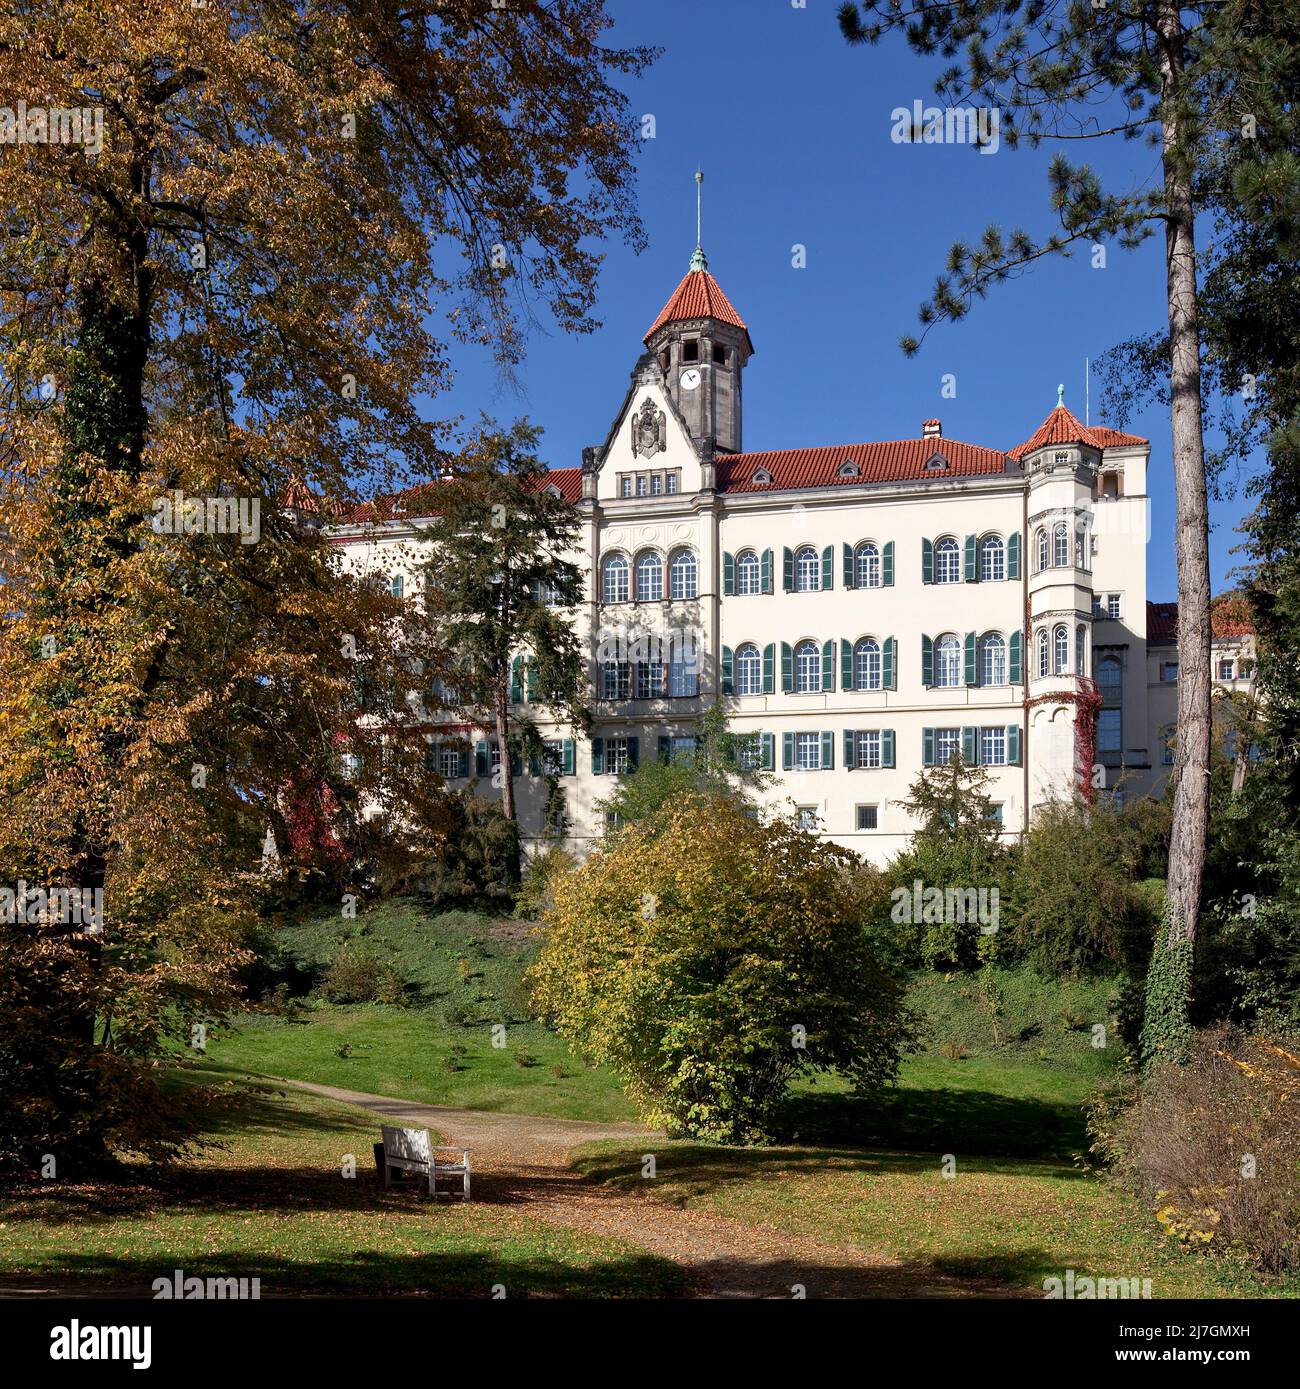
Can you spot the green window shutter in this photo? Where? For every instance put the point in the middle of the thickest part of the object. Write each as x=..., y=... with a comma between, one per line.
x=787, y=569
x=482, y=763
x=535, y=590
x=462, y=766
x=828, y=749
x=787, y=751
x=569, y=759
x=927, y=562
x=516, y=764
x=828, y=665
x=970, y=745
x=887, y=747
x=728, y=683
x=597, y=757
x=972, y=569
x=633, y=753
x=846, y=664
x=787, y=668
x=768, y=745
x=927, y=746
x=1013, y=658
x=532, y=682
x=1013, y=744
x=927, y=662
x=1013, y=555
x=665, y=748
x=828, y=567
x=887, y=565
x=430, y=757
x=516, y=684
x=534, y=765
x=728, y=575
x=969, y=653
x=889, y=665
x=766, y=571
x=848, y=565
x=850, y=749
x=769, y=668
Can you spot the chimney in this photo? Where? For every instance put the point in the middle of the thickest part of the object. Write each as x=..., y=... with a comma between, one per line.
x=932, y=429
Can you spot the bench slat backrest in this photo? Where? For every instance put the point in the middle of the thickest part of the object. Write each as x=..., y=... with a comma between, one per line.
x=411, y=1144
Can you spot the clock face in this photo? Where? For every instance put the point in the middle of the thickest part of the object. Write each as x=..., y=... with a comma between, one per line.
x=690, y=378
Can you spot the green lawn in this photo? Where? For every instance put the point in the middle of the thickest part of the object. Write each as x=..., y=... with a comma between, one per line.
x=272, y=1204
x=408, y=1051
x=1012, y=1220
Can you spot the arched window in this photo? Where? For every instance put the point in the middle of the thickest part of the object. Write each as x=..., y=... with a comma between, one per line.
x=947, y=661
x=681, y=574
x=1061, y=544
x=1044, y=656
x=807, y=667
x=1040, y=546
x=1110, y=677
x=749, y=670
x=866, y=566
x=649, y=577
x=613, y=580
x=1061, y=650
x=1080, y=650
x=866, y=664
x=993, y=559
x=993, y=659
x=947, y=562
x=749, y=578
x=807, y=570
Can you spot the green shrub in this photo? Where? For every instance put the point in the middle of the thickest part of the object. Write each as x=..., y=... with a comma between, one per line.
x=537, y=890
x=709, y=959
x=360, y=974
x=1076, y=909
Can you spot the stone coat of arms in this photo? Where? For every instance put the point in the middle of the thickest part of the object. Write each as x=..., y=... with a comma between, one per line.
x=649, y=430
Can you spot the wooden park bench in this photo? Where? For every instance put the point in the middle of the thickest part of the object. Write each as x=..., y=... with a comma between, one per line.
x=412, y=1150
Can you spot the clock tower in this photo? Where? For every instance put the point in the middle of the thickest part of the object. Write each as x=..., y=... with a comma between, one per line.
x=701, y=344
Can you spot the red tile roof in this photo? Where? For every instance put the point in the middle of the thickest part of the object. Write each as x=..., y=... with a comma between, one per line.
x=1162, y=623
x=1229, y=617
x=892, y=461
x=1062, y=426
x=421, y=500
x=698, y=296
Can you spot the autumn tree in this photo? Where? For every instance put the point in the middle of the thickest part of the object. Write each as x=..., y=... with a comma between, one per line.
x=711, y=958
x=502, y=589
x=1065, y=71
x=235, y=280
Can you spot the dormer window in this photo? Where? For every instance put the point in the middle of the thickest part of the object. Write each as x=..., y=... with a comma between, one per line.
x=691, y=350
x=936, y=463
x=848, y=468
x=761, y=475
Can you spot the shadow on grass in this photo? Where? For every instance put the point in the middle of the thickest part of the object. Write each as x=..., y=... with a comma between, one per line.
x=951, y=1121
x=698, y=1169
x=445, y=1273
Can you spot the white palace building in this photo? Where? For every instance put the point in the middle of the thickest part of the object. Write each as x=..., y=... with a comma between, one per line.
x=865, y=609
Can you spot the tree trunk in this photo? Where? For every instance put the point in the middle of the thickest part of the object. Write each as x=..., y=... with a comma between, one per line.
x=501, y=699
x=1192, y=755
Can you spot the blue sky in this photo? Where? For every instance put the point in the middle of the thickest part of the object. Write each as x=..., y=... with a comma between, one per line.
x=792, y=129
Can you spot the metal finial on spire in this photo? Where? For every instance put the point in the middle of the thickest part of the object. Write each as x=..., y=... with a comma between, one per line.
x=698, y=259
x=1060, y=395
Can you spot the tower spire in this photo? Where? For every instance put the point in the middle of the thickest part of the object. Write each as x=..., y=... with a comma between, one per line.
x=698, y=259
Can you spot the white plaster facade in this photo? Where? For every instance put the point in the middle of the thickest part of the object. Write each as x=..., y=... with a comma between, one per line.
x=1051, y=544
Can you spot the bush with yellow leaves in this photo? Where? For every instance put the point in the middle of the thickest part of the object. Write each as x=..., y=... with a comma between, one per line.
x=710, y=958
x=1215, y=1145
